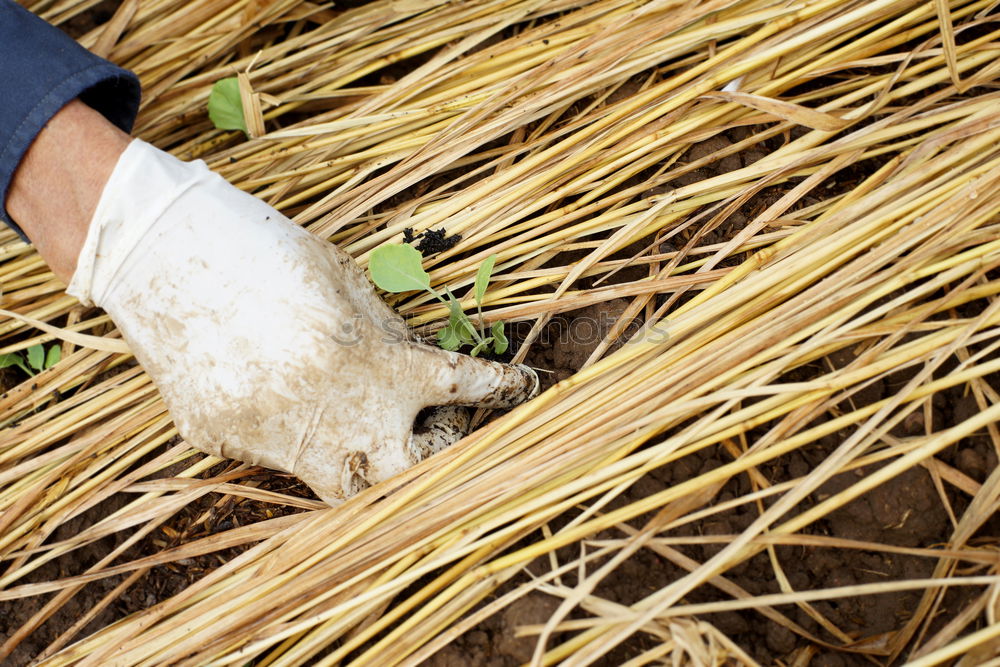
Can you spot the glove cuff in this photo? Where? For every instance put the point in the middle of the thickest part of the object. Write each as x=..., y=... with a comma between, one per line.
x=144, y=183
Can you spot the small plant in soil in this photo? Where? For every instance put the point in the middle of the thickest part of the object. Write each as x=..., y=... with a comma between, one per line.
x=33, y=360
x=399, y=268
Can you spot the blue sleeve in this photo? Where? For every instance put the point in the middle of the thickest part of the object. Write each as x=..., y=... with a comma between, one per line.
x=41, y=70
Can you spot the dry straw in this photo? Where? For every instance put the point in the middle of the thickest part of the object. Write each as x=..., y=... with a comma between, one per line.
x=554, y=134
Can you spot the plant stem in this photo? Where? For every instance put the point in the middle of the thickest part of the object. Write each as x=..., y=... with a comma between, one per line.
x=465, y=318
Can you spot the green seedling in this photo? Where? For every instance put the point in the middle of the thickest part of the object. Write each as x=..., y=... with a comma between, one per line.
x=225, y=106
x=32, y=360
x=399, y=268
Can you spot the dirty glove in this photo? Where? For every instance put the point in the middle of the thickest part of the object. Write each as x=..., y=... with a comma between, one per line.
x=268, y=344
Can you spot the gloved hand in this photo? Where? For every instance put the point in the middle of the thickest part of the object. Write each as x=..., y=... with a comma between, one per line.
x=268, y=344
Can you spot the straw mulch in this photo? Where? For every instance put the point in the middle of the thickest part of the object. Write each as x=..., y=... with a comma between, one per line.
x=788, y=209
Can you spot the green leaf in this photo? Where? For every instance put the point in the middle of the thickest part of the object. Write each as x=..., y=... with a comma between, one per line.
x=10, y=359
x=483, y=277
x=225, y=107
x=14, y=359
x=36, y=357
x=479, y=348
x=500, y=342
x=448, y=339
x=54, y=355
x=398, y=268
x=459, y=321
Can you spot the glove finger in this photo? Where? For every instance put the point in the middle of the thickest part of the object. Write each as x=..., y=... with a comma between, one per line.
x=335, y=458
x=385, y=459
x=443, y=426
x=347, y=475
x=332, y=477
x=457, y=379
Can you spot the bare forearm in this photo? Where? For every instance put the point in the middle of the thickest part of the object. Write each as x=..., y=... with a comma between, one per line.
x=59, y=182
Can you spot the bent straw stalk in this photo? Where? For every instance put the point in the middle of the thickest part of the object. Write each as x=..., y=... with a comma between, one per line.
x=555, y=134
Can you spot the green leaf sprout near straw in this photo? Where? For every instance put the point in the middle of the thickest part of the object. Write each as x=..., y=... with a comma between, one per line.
x=34, y=360
x=399, y=268
x=225, y=107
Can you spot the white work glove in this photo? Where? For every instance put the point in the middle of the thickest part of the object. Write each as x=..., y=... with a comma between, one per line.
x=268, y=344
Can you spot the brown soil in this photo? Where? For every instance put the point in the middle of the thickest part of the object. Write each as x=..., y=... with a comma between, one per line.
x=906, y=511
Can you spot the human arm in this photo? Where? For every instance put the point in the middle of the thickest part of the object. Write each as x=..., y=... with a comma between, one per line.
x=43, y=72
x=59, y=180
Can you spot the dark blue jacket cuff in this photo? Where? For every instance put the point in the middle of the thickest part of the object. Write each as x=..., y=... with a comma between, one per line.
x=41, y=70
